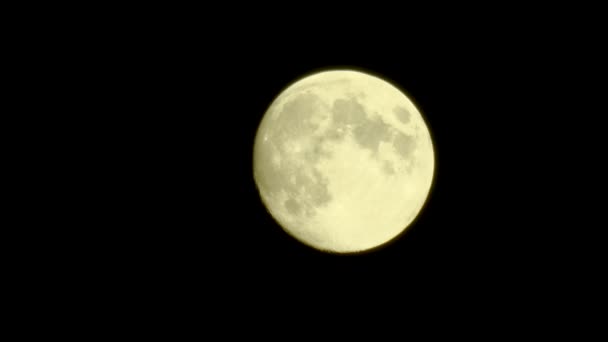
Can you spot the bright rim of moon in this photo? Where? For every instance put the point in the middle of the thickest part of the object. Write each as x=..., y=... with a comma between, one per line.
x=343, y=161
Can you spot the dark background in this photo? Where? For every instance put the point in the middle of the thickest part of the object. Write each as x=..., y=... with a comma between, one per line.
x=164, y=206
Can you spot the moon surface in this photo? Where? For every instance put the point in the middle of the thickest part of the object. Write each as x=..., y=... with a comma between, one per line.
x=343, y=161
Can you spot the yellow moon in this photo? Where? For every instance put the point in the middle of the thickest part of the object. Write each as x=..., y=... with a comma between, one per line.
x=343, y=161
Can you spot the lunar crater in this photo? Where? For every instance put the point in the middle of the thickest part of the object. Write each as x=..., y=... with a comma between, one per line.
x=404, y=145
x=402, y=114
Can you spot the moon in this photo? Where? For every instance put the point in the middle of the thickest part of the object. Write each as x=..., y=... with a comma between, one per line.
x=343, y=161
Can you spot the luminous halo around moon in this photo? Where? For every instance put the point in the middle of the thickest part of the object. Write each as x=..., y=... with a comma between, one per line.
x=343, y=161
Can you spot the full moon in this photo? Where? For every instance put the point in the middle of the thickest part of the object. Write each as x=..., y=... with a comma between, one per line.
x=343, y=161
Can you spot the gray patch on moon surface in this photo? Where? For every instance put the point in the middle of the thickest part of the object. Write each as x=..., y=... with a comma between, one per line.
x=318, y=149
x=404, y=144
x=318, y=189
x=402, y=114
x=292, y=206
x=306, y=190
x=369, y=134
x=305, y=195
x=294, y=119
x=348, y=112
x=312, y=189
